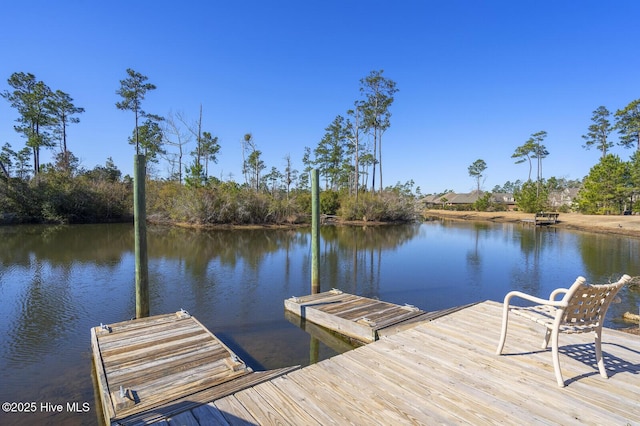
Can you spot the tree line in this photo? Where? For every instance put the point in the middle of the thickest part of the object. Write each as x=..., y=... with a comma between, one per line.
x=63, y=191
x=612, y=185
x=348, y=156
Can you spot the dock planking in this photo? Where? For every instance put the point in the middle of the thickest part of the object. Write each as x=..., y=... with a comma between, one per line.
x=445, y=371
x=543, y=218
x=441, y=371
x=357, y=317
x=151, y=368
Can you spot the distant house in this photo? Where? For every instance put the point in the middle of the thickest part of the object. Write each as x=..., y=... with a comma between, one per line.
x=452, y=200
x=441, y=200
x=562, y=198
x=507, y=200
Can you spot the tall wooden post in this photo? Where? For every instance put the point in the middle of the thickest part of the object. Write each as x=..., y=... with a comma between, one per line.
x=315, y=231
x=140, y=226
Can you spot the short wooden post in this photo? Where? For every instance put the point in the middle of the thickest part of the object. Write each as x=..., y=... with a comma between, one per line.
x=140, y=226
x=315, y=231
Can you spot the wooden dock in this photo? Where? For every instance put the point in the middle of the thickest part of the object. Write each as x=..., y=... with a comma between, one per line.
x=356, y=317
x=445, y=371
x=152, y=368
x=543, y=218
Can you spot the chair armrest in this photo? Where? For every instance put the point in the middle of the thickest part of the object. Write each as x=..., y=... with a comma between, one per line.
x=556, y=292
x=534, y=299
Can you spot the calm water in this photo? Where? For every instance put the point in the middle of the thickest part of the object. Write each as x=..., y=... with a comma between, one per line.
x=58, y=282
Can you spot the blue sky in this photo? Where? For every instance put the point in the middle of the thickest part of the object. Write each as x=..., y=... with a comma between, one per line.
x=475, y=78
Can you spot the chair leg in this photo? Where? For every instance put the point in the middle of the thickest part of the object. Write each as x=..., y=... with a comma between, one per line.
x=503, y=332
x=599, y=357
x=556, y=358
x=545, y=342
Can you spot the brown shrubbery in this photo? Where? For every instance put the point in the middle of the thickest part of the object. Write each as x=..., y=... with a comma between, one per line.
x=56, y=197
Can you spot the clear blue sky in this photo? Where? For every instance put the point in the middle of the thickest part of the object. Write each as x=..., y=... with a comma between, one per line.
x=476, y=78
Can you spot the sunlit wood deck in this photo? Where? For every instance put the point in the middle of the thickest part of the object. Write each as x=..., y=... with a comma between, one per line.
x=357, y=317
x=445, y=371
x=151, y=368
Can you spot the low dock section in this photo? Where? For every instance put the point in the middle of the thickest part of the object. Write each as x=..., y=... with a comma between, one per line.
x=546, y=218
x=356, y=317
x=153, y=368
x=543, y=218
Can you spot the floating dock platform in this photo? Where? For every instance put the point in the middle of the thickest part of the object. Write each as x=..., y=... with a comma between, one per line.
x=152, y=368
x=357, y=317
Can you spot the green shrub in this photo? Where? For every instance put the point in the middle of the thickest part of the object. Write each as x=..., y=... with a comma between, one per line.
x=329, y=202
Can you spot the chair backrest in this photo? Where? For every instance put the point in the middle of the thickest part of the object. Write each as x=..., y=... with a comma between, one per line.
x=588, y=303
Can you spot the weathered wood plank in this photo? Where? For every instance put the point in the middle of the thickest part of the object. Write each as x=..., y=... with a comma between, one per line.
x=442, y=371
x=483, y=389
x=160, y=361
x=394, y=328
x=162, y=354
x=172, y=383
x=101, y=379
x=114, y=332
x=305, y=399
x=234, y=412
x=218, y=392
x=284, y=404
x=259, y=408
x=449, y=366
x=328, y=393
x=321, y=297
x=353, y=316
x=480, y=361
x=146, y=322
x=153, y=371
x=393, y=319
x=299, y=304
x=431, y=392
x=150, y=335
x=394, y=389
x=353, y=308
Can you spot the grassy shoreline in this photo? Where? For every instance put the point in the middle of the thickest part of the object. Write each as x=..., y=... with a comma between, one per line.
x=620, y=225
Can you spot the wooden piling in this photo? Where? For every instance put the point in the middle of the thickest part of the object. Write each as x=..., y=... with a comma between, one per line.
x=140, y=226
x=315, y=231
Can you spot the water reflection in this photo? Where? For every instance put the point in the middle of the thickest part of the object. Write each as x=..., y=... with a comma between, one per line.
x=624, y=253
x=57, y=282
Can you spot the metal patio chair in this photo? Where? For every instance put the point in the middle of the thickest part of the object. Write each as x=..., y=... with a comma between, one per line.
x=581, y=310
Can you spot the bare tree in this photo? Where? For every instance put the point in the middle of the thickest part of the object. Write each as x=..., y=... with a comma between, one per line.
x=290, y=174
x=354, y=135
x=178, y=137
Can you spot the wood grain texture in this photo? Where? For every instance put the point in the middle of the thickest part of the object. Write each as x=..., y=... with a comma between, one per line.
x=445, y=371
x=356, y=317
x=442, y=371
